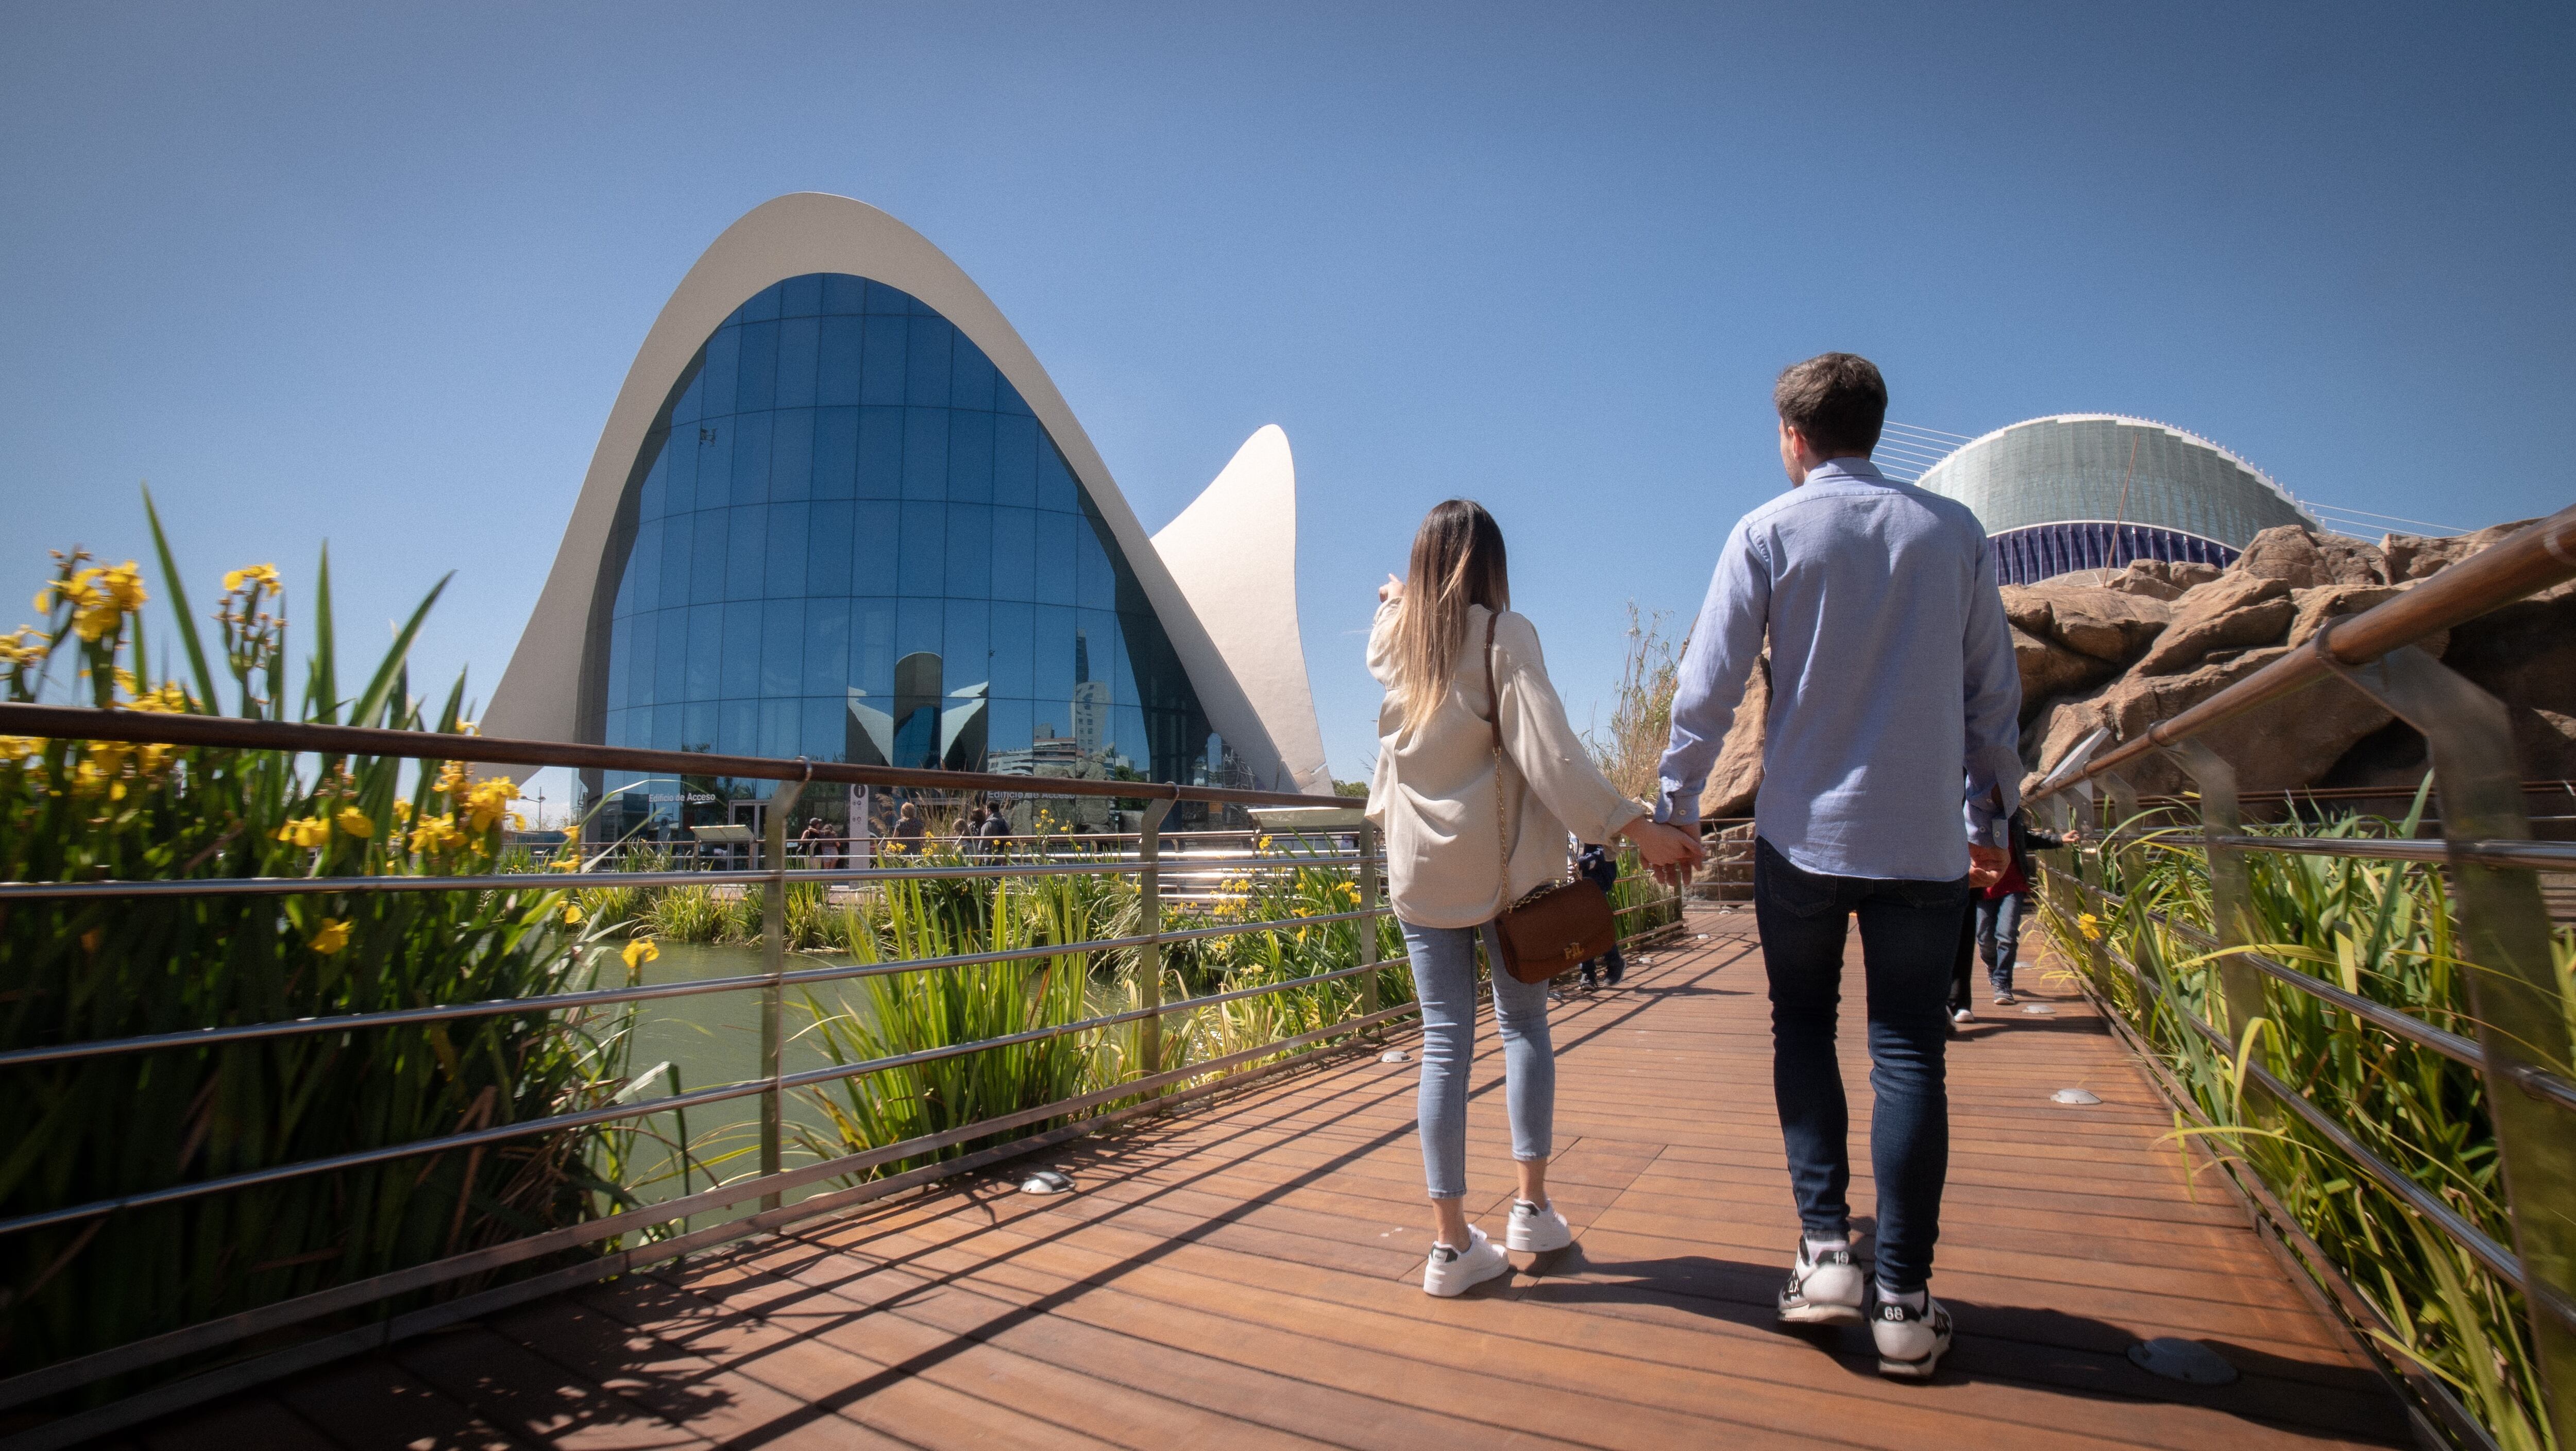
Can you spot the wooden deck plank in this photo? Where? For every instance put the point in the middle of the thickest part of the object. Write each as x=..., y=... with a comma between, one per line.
x=1246, y=1275
x=372, y=1401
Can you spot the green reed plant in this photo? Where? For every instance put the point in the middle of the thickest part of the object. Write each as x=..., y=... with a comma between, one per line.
x=906, y=1012
x=77, y=970
x=2381, y=930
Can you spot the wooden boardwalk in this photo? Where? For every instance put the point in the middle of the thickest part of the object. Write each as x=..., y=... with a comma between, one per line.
x=1248, y=1275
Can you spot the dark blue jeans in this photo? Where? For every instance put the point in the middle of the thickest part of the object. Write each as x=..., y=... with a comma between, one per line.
x=1909, y=937
x=1999, y=936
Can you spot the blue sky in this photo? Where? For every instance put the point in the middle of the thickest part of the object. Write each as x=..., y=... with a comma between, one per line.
x=372, y=275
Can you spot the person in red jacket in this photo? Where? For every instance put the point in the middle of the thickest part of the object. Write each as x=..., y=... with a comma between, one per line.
x=2000, y=907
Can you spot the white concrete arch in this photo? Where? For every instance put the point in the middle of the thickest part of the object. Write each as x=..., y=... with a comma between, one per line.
x=539, y=693
x=1233, y=552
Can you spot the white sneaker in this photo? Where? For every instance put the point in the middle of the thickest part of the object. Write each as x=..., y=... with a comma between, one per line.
x=1962, y=1015
x=1911, y=1342
x=1454, y=1271
x=1823, y=1290
x=1536, y=1228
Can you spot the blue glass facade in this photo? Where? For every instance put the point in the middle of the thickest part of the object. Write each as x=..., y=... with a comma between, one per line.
x=2044, y=551
x=848, y=538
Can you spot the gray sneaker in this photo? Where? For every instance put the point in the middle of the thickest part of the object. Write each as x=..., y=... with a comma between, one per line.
x=1911, y=1342
x=1825, y=1290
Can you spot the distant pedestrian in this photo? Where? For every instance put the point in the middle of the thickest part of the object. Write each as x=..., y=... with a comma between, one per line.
x=909, y=830
x=2000, y=907
x=1601, y=864
x=996, y=831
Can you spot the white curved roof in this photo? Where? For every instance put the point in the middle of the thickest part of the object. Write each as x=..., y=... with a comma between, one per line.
x=793, y=235
x=1233, y=552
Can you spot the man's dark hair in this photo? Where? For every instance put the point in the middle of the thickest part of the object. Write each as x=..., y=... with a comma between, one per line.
x=1837, y=400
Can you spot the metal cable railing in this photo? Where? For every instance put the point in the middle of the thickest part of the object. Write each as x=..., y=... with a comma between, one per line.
x=2516, y=998
x=1144, y=857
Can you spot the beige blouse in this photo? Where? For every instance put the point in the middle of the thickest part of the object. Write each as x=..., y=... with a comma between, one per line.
x=1433, y=793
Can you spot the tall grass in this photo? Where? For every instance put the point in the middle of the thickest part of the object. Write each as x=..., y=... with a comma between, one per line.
x=86, y=969
x=2381, y=930
x=900, y=1013
x=1631, y=750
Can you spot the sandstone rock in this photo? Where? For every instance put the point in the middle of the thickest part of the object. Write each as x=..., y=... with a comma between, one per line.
x=2414, y=556
x=1737, y=777
x=2049, y=669
x=2236, y=610
x=2316, y=606
x=2057, y=729
x=2287, y=743
x=2303, y=560
x=2148, y=579
x=2026, y=606
x=2106, y=624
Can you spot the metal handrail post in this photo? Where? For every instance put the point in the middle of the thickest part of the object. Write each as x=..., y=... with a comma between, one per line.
x=773, y=947
x=2231, y=893
x=2514, y=993
x=2123, y=799
x=1149, y=925
x=1366, y=929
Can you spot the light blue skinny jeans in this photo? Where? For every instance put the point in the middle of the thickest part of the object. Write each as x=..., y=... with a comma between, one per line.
x=1444, y=979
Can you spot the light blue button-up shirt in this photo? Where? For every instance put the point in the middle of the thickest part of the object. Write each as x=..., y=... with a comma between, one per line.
x=1892, y=678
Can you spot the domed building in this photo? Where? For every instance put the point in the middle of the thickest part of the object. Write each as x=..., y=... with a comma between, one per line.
x=2096, y=491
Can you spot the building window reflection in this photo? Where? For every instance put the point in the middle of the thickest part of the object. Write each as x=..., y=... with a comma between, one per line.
x=849, y=538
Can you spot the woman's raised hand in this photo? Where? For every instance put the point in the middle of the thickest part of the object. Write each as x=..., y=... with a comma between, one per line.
x=1393, y=589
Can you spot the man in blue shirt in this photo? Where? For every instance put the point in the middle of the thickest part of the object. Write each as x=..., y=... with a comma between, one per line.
x=1892, y=687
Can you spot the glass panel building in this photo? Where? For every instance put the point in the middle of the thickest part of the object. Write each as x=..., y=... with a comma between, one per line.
x=840, y=512
x=851, y=540
x=2095, y=491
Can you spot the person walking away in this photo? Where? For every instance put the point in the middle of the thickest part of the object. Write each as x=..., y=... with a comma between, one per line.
x=1962, y=964
x=1892, y=684
x=908, y=829
x=1469, y=830
x=1601, y=864
x=996, y=832
x=2000, y=906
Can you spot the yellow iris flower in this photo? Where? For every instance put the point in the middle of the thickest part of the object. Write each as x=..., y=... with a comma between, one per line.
x=639, y=952
x=355, y=822
x=332, y=938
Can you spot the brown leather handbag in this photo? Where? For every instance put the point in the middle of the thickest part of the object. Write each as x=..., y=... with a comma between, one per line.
x=1553, y=929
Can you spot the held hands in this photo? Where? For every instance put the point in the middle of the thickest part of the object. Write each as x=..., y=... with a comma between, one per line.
x=1986, y=865
x=1670, y=852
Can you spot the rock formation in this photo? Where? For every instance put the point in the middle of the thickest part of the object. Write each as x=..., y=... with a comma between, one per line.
x=2144, y=644
x=2223, y=626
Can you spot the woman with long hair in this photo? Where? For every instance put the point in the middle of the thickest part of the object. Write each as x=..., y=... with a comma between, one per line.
x=1467, y=835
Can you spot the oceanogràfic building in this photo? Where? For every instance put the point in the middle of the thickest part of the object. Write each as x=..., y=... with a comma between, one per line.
x=840, y=511
x=2097, y=491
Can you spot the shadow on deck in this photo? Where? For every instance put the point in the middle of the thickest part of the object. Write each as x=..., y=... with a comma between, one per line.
x=1248, y=1275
